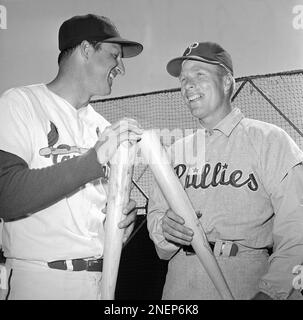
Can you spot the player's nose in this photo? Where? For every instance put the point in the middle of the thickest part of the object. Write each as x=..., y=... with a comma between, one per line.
x=120, y=67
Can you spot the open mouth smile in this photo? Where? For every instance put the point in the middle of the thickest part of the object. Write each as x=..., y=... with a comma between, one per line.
x=195, y=97
x=113, y=73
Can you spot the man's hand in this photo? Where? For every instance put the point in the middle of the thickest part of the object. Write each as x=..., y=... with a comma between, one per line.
x=129, y=222
x=110, y=139
x=174, y=229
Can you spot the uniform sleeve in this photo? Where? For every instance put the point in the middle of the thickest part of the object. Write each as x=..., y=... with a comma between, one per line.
x=16, y=123
x=282, y=175
x=24, y=191
x=287, y=201
x=279, y=153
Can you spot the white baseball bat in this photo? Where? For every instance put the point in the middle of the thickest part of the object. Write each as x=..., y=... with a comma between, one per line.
x=121, y=170
x=156, y=157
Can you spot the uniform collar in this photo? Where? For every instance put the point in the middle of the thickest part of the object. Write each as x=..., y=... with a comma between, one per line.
x=227, y=124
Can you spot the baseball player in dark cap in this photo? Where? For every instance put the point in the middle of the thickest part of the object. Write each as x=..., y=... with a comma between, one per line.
x=247, y=192
x=54, y=156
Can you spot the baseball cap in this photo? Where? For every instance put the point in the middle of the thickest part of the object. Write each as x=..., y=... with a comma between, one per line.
x=208, y=52
x=93, y=27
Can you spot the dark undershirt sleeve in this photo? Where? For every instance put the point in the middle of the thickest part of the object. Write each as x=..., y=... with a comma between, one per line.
x=24, y=191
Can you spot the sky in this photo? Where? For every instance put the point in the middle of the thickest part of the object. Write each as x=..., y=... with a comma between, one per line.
x=262, y=36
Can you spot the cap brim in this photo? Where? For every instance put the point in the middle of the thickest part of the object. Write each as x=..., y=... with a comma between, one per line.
x=174, y=66
x=129, y=48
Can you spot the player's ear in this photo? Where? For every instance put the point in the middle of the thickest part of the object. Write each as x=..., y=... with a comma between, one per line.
x=86, y=49
x=227, y=83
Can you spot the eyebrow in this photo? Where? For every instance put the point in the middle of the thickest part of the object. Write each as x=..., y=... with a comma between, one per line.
x=195, y=69
x=198, y=68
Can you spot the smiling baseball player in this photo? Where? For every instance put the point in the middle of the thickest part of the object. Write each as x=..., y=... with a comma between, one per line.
x=247, y=192
x=54, y=154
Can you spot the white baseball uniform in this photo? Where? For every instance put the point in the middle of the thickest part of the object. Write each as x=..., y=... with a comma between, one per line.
x=44, y=130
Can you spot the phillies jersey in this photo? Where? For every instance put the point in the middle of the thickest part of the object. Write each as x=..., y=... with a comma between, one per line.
x=238, y=190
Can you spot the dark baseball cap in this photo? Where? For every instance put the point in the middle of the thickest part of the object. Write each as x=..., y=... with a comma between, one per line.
x=92, y=27
x=208, y=52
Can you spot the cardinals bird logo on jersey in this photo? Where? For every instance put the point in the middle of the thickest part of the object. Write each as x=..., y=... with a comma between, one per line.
x=62, y=151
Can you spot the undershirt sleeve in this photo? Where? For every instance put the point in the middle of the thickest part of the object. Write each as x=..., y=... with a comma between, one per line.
x=24, y=191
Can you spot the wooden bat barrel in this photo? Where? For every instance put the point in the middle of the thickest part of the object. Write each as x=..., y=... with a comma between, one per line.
x=121, y=170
